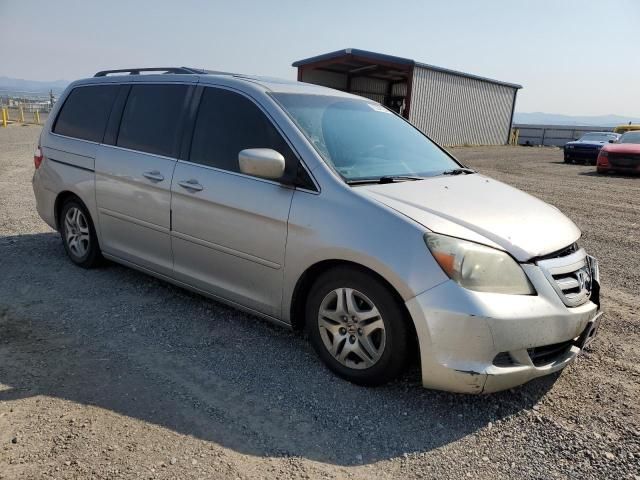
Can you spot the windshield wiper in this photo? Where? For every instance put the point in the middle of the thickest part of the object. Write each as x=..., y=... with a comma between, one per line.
x=397, y=178
x=383, y=179
x=458, y=171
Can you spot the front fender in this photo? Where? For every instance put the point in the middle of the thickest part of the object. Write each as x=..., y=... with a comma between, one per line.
x=347, y=227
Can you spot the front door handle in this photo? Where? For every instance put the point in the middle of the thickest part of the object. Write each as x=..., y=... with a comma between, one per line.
x=191, y=185
x=154, y=175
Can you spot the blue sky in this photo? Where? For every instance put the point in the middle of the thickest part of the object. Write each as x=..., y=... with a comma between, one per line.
x=573, y=57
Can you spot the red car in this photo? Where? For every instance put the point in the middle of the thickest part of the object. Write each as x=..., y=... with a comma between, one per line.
x=623, y=156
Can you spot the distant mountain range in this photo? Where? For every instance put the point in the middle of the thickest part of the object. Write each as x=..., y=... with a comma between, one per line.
x=540, y=118
x=18, y=86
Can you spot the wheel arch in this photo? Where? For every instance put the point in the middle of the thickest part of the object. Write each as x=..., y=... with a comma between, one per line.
x=306, y=280
x=61, y=198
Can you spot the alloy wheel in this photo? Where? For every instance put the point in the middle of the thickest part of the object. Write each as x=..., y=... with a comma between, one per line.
x=76, y=229
x=351, y=328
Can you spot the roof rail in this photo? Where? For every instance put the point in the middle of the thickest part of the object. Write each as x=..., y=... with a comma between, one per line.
x=136, y=71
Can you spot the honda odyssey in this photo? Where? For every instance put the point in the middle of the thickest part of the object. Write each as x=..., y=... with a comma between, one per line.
x=321, y=211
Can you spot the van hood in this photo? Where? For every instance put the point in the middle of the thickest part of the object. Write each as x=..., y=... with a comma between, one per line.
x=586, y=143
x=480, y=209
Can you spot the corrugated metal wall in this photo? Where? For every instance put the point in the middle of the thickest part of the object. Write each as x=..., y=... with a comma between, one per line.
x=372, y=88
x=399, y=90
x=456, y=110
x=326, y=79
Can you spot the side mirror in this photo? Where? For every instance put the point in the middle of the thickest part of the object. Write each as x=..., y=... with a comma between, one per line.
x=261, y=162
x=612, y=141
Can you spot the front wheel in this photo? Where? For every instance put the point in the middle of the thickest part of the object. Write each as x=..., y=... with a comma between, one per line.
x=357, y=326
x=78, y=235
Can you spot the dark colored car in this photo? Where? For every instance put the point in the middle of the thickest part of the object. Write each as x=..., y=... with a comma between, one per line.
x=586, y=149
x=623, y=156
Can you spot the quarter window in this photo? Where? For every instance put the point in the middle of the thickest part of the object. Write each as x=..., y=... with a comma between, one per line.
x=228, y=123
x=85, y=112
x=152, y=119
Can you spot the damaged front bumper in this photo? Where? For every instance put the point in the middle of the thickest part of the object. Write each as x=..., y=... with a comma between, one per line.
x=475, y=342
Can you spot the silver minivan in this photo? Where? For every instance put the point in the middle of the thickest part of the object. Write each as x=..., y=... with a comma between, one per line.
x=321, y=211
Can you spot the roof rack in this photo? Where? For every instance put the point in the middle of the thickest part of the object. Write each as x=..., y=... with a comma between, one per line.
x=136, y=71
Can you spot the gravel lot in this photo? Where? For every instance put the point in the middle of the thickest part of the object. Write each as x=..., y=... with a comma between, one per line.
x=112, y=374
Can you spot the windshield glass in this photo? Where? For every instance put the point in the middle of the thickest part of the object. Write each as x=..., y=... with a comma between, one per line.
x=598, y=137
x=630, y=137
x=362, y=139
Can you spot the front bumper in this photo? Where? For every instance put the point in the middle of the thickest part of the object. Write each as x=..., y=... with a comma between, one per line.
x=617, y=165
x=581, y=155
x=475, y=342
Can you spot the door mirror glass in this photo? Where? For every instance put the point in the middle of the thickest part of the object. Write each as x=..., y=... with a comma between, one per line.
x=261, y=162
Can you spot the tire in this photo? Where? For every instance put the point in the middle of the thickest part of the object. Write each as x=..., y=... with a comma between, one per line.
x=79, y=235
x=367, y=351
x=567, y=160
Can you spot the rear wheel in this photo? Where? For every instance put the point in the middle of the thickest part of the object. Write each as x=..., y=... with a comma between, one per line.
x=79, y=235
x=357, y=327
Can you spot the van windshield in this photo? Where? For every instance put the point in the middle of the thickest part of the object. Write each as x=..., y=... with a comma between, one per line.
x=362, y=139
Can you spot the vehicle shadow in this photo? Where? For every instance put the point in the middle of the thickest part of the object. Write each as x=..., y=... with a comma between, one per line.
x=573, y=164
x=123, y=341
x=593, y=173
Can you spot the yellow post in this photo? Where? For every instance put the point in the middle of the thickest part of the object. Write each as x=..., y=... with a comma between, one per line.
x=4, y=117
x=515, y=133
x=37, y=117
x=21, y=114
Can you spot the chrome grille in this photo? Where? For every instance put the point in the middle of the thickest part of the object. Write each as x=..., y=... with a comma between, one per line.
x=572, y=276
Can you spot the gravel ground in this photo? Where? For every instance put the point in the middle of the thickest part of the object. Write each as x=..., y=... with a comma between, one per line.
x=112, y=374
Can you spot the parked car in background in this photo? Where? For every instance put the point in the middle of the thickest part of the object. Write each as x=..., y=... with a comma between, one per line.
x=623, y=156
x=626, y=128
x=586, y=148
x=323, y=211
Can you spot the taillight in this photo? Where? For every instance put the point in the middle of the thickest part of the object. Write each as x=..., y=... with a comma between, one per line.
x=37, y=157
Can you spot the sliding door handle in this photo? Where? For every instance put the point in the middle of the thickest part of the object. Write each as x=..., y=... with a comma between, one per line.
x=191, y=185
x=154, y=175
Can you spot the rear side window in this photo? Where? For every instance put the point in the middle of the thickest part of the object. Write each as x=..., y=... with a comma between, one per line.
x=227, y=123
x=86, y=111
x=152, y=119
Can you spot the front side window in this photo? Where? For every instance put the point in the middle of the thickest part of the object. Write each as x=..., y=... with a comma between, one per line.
x=86, y=111
x=227, y=123
x=152, y=117
x=363, y=140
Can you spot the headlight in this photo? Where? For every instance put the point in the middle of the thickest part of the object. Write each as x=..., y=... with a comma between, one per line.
x=478, y=267
x=569, y=146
